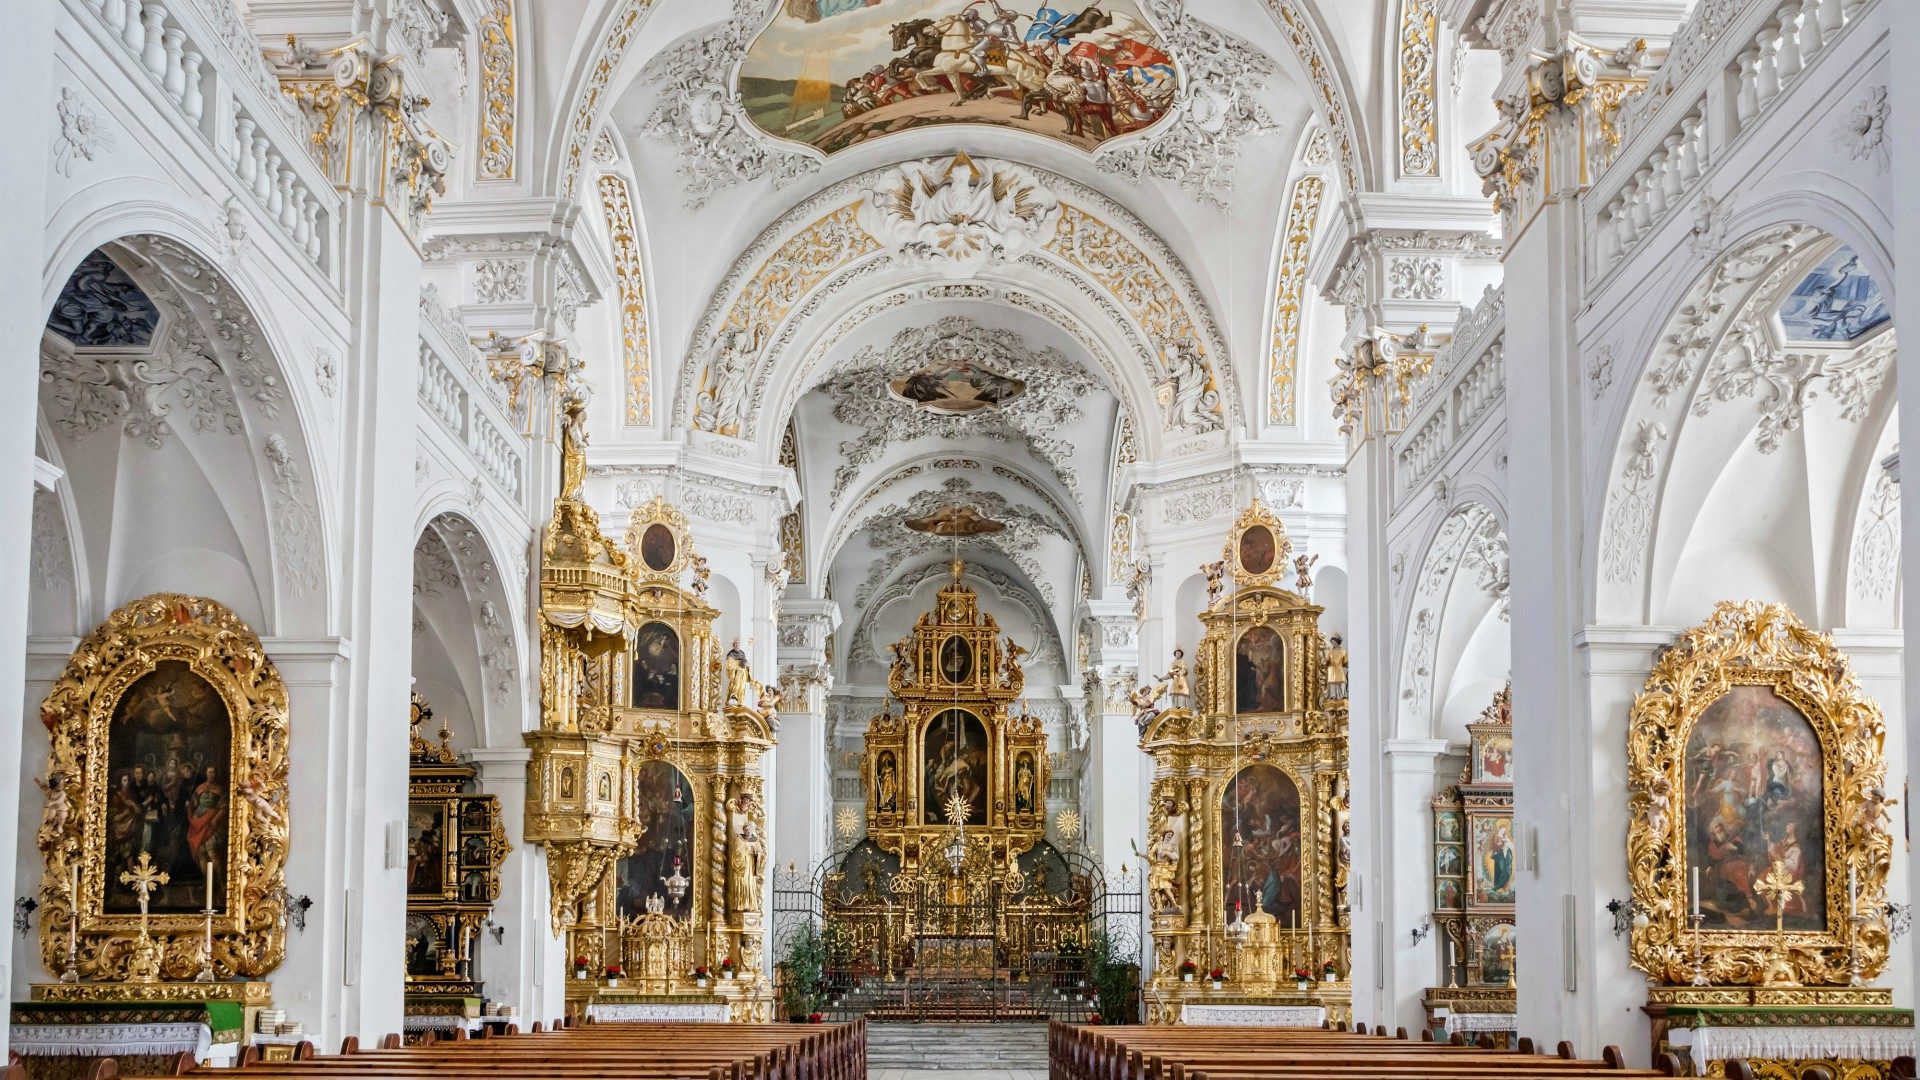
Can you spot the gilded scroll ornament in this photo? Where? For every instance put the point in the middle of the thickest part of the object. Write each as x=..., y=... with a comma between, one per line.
x=1757, y=779
x=172, y=695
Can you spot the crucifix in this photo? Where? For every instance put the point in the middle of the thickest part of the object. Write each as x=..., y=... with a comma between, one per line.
x=1780, y=887
x=144, y=966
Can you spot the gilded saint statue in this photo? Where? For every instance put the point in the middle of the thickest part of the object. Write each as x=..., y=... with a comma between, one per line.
x=739, y=682
x=746, y=855
x=1179, y=690
x=573, y=447
x=1336, y=661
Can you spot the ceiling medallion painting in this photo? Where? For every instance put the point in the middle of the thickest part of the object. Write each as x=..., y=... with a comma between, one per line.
x=954, y=384
x=834, y=73
x=955, y=519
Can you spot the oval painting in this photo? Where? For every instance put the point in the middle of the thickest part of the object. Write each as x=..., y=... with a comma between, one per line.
x=657, y=547
x=1257, y=550
x=1754, y=796
x=956, y=659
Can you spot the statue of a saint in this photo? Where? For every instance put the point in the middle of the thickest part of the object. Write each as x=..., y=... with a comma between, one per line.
x=573, y=446
x=1179, y=690
x=739, y=679
x=746, y=855
x=1336, y=661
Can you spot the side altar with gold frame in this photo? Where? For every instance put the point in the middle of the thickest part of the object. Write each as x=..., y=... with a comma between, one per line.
x=455, y=847
x=1474, y=871
x=1758, y=848
x=645, y=784
x=164, y=835
x=1248, y=814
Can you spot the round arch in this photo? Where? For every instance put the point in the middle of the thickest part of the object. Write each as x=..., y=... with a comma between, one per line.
x=466, y=637
x=1455, y=648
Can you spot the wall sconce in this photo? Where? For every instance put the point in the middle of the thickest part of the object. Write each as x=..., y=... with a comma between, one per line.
x=296, y=908
x=1627, y=915
x=498, y=931
x=1899, y=920
x=1420, y=932
x=23, y=909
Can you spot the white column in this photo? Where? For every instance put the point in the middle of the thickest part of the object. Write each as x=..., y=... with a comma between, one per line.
x=1117, y=772
x=1904, y=91
x=46, y=658
x=26, y=126
x=1558, y=801
x=365, y=806
x=319, y=734
x=526, y=968
x=1371, y=710
x=1404, y=896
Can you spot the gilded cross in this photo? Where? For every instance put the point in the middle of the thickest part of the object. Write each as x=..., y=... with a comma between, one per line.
x=1780, y=886
x=144, y=879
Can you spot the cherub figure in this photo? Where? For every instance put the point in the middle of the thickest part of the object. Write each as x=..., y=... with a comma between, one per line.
x=57, y=812
x=1216, y=572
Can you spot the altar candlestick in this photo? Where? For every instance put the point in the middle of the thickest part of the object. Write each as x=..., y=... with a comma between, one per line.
x=1853, y=891
x=209, y=884
x=1696, y=890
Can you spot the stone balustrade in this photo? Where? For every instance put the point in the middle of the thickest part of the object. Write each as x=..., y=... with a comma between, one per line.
x=1754, y=52
x=196, y=53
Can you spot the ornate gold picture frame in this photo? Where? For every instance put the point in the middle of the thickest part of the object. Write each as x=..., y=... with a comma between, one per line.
x=1761, y=657
x=124, y=719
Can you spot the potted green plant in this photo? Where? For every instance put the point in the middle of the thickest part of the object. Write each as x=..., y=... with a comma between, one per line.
x=1113, y=976
x=802, y=973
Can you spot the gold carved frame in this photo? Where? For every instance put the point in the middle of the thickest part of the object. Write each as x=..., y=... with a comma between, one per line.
x=249, y=936
x=1756, y=644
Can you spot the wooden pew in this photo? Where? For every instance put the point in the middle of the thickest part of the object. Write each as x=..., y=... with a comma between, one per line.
x=605, y=1050
x=1240, y=1053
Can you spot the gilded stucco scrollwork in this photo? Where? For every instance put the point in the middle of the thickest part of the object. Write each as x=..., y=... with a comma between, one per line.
x=498, y=77
x=1419, y=145
x=1755, y=645
x=184, y=641
x=635, y=334
x=1289, y=298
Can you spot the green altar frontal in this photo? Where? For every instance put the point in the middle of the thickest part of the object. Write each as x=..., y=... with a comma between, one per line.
x=1852, y=1040
x=60, y=1039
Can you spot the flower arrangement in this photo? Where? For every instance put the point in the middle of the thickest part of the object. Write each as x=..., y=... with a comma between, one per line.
x=726, y=968
x=615, y=971
x=579, y=967
x=700, y=972
x=1217, y=975
x=813, y=1018
x=1093, y=1018
x=1302, y=976
x=1187, y=970
x=1328, y=972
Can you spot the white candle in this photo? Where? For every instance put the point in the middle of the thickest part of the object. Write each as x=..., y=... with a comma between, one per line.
x=209, y=884
x=1853, y=891
x=1696, y=890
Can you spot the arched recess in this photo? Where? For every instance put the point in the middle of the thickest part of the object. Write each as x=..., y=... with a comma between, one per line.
x=806, y=280
x=1456, y=648
x=1748, y=464
x=466, y=649
x=183, y=463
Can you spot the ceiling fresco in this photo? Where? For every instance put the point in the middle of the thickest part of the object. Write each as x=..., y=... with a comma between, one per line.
x=1837, y=301
x=833, y=73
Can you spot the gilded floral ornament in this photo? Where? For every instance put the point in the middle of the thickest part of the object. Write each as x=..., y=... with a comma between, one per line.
x=959, y=216
x=1751, y=648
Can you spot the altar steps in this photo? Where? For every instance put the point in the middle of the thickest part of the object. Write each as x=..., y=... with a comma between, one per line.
x=957, y=1051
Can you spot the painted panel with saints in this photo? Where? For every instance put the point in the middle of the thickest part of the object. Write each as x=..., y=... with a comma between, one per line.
x=1754, y=780
x=1492, y=852
x=1260, y=828
x=427, y=848
x=662, y=864
x=954, y=763
x=169, y=760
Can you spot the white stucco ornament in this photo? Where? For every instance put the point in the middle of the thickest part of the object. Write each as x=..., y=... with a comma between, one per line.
x=958, y=216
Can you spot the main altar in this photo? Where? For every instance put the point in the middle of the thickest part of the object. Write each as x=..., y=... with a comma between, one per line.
x=955, y=885
x=1248, y=815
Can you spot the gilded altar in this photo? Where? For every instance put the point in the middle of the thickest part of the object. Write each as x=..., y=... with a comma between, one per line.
x=1758, y=848
x=455, y=846
x=164, y=828
x=645, y=782
x=955, y=877
x=1474, y=884
x=1247, y=833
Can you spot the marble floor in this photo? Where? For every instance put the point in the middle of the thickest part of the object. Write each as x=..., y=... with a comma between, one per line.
x=957, y=1051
